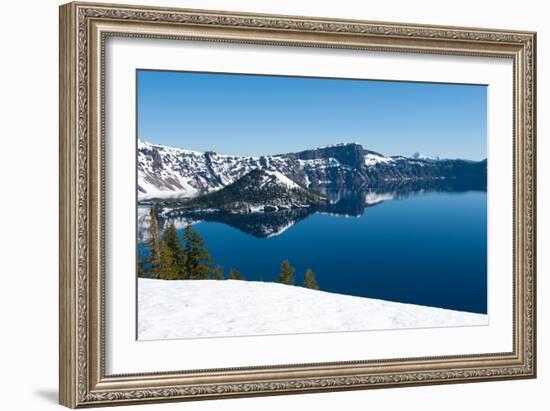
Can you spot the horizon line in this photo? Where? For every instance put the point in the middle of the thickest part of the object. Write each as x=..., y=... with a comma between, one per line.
x=341, y=144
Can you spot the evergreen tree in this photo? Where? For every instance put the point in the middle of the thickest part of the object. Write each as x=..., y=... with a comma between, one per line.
x=153, y=243
x=217, y=273
x=140, y=268
x=168, y=269
x=309, y=280
x=197, y=259
x=172, y=241
x=286, y=275
x=181, y=263
x=235, y=275
x=170, y=237
x=187, y=237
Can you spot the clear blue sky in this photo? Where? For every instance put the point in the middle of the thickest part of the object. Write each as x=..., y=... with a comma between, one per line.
x=256, y=115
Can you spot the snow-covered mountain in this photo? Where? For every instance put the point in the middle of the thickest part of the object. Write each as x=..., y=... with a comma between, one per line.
x=166, y=172
x=258, y=191
x=172, y=172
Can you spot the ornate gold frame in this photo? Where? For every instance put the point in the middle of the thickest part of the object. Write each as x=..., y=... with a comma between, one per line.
x=83, y=30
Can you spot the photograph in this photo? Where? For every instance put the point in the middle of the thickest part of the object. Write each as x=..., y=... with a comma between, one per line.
x=261, y=203
x=271, y=204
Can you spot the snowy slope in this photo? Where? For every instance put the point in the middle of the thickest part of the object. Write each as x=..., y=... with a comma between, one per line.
x=256, y=192
x=372, y=159
x=420, y=156
x=278, y=178
x=210, y=308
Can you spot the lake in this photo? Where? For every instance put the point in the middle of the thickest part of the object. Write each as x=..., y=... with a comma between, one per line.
x=427, y=248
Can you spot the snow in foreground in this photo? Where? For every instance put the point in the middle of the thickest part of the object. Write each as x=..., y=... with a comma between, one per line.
x=210, y=308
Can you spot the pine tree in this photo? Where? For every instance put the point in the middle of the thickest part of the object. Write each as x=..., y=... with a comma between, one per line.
x=235, y=275
x=197, y=258
x=167, y=269
x=286, y=275
x=309, y=280
x=140, y=268
x=153, y=243
x=170, y=237
x=217, y=273
x=172, y=241
x=187, y=239
x=181, y=263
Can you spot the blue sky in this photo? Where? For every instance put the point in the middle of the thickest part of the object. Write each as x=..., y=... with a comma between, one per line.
x=256, y=115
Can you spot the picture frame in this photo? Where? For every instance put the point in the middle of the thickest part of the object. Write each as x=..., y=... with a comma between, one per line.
x=84, y=30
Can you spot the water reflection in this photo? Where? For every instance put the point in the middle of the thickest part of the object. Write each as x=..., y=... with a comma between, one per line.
x=340, y=202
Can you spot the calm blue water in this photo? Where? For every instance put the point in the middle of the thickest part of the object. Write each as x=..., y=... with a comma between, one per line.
x=427, y=249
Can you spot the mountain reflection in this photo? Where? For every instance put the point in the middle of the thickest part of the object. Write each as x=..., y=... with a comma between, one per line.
x=340, y=202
